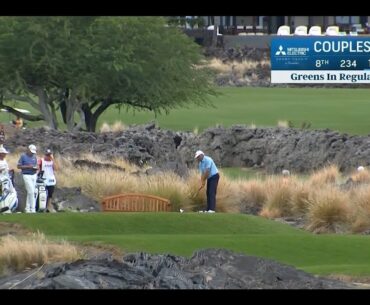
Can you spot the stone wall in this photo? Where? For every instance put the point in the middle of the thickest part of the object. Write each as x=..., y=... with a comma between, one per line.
x=271, y=149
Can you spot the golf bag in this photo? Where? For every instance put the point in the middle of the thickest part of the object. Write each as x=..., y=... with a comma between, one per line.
x=41, y=194
x=8, y=198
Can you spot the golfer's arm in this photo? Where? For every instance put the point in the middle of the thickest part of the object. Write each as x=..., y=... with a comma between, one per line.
x=205, y=176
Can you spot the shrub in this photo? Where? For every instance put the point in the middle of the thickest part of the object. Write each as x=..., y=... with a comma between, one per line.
x=115, y=127
x=283, y=124
x=18, y=253
x=362, y=176
x=279, y=193
x=253, y=195
x=360, y=207
x=328, y=210
x=299, y=199
x=167, y=185
x=327, y=175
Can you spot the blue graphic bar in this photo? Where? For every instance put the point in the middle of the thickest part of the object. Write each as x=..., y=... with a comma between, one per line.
x=338, y=53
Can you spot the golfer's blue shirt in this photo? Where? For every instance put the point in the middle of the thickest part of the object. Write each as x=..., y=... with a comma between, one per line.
x=27, y=160
x=208, y=163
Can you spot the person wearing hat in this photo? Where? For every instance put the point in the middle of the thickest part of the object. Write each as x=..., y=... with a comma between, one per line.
x=18, y=122
x=209, y=173
x=3, y=153
x=48, y=165
x=27, y=163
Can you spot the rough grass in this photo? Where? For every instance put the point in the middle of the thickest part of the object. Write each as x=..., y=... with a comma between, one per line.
x=183, y=233
x=238, y=68
x=361, y=176
x=300, y=199
x=270, y=196
x=115, y=127
x=317, y=198
x=253, y=194
x=18, y=253
x=279, y=192
x=328, y=210
x=327, y=175
x=360, y=203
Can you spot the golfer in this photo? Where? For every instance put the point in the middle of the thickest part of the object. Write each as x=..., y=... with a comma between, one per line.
x=209, y=173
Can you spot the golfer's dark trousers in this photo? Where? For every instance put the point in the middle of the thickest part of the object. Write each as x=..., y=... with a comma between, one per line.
x=212, y=183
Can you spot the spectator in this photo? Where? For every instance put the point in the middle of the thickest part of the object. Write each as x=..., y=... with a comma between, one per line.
x=209, y=173
x=2, y=135
x=49, y=166
x=3, y=153
x=27, y=163
x=18, y=122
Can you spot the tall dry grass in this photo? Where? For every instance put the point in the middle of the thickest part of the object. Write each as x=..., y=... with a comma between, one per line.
x=196, y=199
x=252, y=195
x=98, y=184
x=227, y=198
x=115, y=127
x=283, y=124
x=279, y=192
x=18, y=253
x=239, y=68
x=317, y=198
x=300, y=198
x=12, y=160
x=361, y=176
x=327, y=175
x=168, y=185
x=328, y=211
x=360, y=208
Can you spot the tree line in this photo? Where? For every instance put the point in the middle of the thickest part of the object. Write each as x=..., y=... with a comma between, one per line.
x=81, y=66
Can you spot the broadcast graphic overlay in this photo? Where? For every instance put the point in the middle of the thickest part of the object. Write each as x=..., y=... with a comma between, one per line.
x=329, y=60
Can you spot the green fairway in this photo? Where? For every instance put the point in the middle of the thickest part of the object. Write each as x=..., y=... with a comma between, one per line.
x=344, y=110
x=242, y=173
x=182, y=234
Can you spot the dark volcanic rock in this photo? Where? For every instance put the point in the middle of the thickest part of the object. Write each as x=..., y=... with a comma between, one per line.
x=141, y=145
x=206, y=269
x=275, y=149
x=272, y=149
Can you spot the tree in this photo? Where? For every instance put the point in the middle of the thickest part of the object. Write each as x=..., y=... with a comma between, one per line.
x=83, y=65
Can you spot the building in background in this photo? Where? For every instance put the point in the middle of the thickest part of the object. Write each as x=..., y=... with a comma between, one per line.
x=233, y=25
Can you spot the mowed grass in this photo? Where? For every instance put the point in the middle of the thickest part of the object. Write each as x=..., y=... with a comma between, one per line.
x=242, y=173
x=182, y=234
x=344, y=110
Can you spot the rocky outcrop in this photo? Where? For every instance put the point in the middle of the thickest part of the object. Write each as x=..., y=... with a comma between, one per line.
x=206, y=269
x=141, y=145
x=274, y=149
x=271, y=149
x=65, y=199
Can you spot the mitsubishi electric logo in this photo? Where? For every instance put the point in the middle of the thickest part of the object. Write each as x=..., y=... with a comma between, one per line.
x=280, y=51
x=291, y=51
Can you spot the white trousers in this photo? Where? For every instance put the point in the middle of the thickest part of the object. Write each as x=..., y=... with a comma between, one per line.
x=30, y=184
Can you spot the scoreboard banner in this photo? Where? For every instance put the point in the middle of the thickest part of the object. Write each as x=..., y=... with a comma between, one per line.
x=320, y=59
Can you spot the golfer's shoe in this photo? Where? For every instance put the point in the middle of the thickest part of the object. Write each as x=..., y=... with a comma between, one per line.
x=211, y=211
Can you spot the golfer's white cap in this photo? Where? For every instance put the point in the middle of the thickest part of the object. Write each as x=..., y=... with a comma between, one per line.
x=198, y=153
x=32, y=148
x=360, y=168
x=3, y=150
